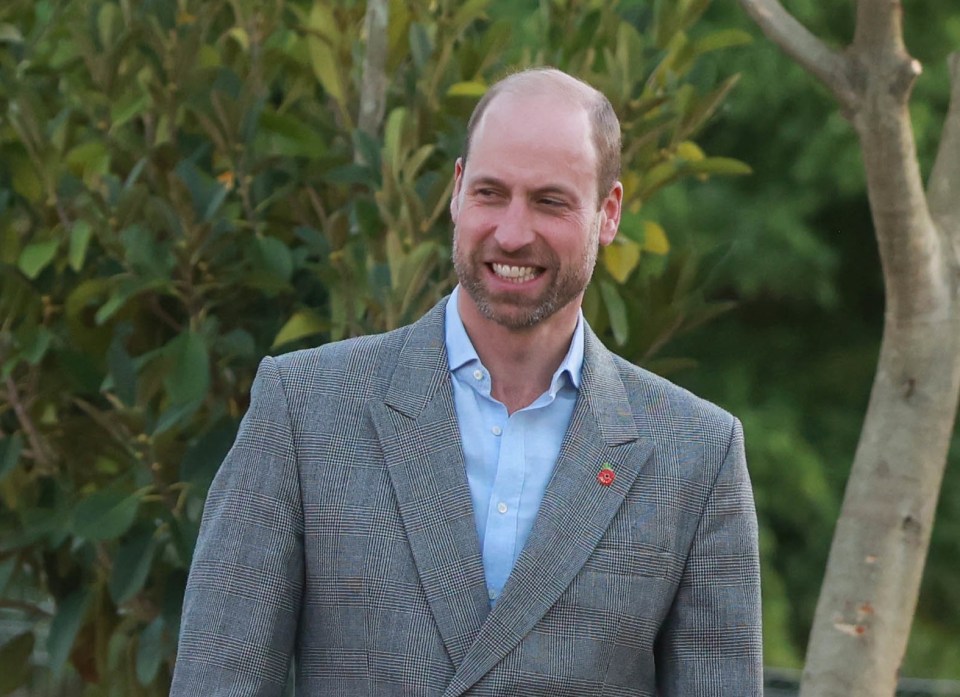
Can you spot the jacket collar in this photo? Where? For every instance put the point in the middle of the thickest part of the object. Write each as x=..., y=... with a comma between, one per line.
x=418, y=429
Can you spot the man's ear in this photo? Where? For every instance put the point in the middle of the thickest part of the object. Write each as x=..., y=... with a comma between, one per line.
x=610, y=209
x=457, y=188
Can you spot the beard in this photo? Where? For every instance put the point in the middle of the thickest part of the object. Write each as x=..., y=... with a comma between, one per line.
x=519, y=311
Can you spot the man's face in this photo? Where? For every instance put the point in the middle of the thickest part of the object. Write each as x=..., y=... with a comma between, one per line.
x=526, y=223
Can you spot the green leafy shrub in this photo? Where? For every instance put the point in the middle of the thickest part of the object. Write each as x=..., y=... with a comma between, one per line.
x=185, y=187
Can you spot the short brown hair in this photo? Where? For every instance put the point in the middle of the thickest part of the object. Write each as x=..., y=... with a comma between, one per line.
x=604, y=123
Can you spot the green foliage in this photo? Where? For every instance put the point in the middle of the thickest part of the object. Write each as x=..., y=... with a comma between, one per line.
x=183, y=189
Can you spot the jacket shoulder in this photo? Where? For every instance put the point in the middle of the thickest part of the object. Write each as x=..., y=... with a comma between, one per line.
x=359, y=367
x=685, y=412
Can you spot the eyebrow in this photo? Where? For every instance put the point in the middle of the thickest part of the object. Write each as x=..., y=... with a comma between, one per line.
x=487, y=181
x=549, y=189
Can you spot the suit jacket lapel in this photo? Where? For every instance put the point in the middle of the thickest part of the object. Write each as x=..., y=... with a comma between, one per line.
x=418, y=432
x=575, y=512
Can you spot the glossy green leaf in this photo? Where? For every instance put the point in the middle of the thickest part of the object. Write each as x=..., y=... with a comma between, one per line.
x=89, y=160
x=414, y=164
x=188, y=377
x=421, y=45
x=291, y=136
x=666, y=21
x=706, y=107
x=132, y=106
x=149, y=257
x=64, y=629
x=393, y=147
x=659, y=175
x=34, y=343
x=36, y=256
x=105, y=514
x=275, y=257
x=718, y=165
x=131, y=565
x=237, y=343
x=621, y=258
x=616, y=311
x=467, y=89
x=10, y=448
x=79, y=241
x=150, y=651
x=302, y=323
x=128, y=288
x=725, y=38
x=109, y=24
x=122, y=369
x=323, y=59
x=655, y=238
x=117, y=300
x=9, y=33
x=205, y=191
x=174, y=416
x=26, y=180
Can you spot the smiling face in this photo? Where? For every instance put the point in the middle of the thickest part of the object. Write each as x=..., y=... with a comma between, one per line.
x=527, y=226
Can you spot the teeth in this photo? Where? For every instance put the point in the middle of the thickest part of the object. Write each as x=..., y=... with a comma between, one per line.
x=518, y=274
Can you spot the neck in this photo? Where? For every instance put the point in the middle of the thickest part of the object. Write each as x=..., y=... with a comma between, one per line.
x=521, y=361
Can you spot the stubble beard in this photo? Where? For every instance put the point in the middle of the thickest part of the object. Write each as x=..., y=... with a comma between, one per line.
x=519, y=313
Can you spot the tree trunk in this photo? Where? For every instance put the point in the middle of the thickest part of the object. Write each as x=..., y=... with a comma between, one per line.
x=873, y=574
x=373, y=87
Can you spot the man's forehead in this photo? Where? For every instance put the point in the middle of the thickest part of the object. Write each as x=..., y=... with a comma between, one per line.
x=533, y=116
x=544, y=102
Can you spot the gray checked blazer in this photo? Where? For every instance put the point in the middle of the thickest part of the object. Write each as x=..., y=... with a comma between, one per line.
x=339, y=533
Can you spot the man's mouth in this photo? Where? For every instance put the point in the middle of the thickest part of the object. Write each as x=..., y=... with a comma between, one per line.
x=515, y=274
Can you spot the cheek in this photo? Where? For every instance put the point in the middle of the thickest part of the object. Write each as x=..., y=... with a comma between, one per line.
x=474, y=221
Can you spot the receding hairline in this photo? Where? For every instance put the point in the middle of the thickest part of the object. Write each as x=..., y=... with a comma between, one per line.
x=551, y=82
x=536, y=82
x=547, y=82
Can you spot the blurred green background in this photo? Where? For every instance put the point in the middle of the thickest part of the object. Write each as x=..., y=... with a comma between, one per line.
x=185, y=187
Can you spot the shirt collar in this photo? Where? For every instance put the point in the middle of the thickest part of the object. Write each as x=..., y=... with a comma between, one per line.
x=460, y=350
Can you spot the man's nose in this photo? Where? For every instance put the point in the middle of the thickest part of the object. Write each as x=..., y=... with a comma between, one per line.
x=515, y=228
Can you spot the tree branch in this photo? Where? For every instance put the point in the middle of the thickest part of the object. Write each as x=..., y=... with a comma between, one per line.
x=38, y=448
x=879, y=49
x=373, y=89
x=879, y=29
x=830, y=67
x=945, y=177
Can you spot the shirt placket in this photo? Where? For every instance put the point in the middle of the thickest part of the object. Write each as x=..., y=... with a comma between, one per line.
x=500, y=539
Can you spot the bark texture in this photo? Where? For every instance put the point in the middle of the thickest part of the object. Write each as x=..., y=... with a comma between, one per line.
x=373, y=87
x=872, y=581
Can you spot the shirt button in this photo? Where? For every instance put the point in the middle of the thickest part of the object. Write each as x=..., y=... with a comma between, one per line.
x=502, y=507
x=496, y=430
x=478, y=374
x=492, y=593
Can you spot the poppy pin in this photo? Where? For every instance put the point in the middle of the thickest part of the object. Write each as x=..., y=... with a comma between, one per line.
x=606, y=475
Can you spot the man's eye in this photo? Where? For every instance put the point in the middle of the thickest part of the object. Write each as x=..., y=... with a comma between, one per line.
x=551, y=202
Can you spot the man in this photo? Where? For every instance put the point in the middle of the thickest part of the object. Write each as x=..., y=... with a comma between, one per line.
x=486, y=502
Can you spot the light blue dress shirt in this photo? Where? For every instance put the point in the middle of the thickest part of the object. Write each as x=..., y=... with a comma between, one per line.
x=509, y=458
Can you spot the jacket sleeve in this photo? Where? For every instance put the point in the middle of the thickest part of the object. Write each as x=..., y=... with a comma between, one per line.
x=710, y=643
x=243, y=595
